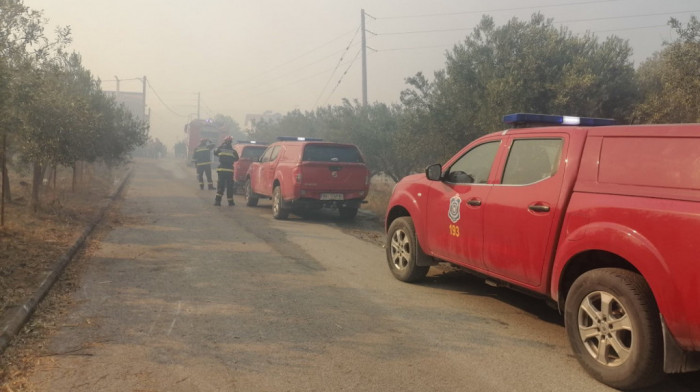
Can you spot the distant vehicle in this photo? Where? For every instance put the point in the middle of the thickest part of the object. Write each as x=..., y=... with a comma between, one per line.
x=303, y=174
x=197, y=130
x=248, y=151
x=603, y=221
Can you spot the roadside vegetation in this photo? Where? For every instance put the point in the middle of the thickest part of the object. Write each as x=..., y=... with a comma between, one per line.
x=53, y=112
x=63, y=143
x=523, y=66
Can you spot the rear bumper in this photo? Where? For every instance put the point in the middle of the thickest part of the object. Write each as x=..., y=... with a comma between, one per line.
x=316, y=203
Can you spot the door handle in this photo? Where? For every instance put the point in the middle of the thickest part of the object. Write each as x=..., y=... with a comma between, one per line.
x=474, y=202
x=538, y=208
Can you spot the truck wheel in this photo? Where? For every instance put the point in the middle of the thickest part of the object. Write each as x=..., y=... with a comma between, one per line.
x=614, y=328
x=251, y=199
x=347, y=213
x=278, y=212
x=403, y=250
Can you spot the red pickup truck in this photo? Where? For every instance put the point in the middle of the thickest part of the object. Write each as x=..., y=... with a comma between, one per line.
x=303, y=174
x=248, y=151
x=602, y=221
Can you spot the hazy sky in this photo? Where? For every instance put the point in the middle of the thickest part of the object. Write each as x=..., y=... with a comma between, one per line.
x=249, y=56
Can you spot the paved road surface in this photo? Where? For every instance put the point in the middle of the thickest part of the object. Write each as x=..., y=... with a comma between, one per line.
x=185, y=296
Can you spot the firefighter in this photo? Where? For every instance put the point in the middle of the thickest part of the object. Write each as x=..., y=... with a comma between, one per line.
x=202, y=159
x=227, y=156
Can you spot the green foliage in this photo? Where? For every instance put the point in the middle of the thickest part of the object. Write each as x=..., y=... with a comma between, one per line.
x=519, y=67
x=52, y=109
x=670, y=80
x=374, y=129
x=229, y=126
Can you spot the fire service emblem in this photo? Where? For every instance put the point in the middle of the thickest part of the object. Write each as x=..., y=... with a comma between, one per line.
x=453, y=212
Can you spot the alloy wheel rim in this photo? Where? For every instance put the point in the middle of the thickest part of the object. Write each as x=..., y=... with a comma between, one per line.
x=400, y=250
x=605, y=328
x=276, y=202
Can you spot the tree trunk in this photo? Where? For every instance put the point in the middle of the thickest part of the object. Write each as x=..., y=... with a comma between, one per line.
x=5, y=190
x=37, y=179
x=75, y=177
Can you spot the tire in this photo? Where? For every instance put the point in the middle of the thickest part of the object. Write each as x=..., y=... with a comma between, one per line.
x=347, y=213
x=403, y=250
x=278, y=212
x=251, y=199
x=620, y=344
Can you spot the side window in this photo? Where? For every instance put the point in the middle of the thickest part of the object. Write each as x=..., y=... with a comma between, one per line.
x=474, y=166
x=266, y=155
x=532, y=160
x=275, y=152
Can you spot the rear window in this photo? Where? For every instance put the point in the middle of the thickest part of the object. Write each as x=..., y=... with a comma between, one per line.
x=325, y=153
x=651, y=161
x=252, y=152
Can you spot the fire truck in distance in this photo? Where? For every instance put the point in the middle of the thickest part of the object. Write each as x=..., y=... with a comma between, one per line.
x=198, y=129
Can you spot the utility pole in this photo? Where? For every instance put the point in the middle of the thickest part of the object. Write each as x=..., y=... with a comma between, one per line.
x=115, y=77
x=146, y=115
x=364, y=59
x=199, y=103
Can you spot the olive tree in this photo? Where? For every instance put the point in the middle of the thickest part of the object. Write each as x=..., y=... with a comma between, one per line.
x=522, y=66
x=670, y=80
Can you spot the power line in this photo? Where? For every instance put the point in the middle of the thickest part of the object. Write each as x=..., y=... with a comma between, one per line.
x=303, y=67
x=498, y=10
x=427, y=31
x=415, y=48
x=161, y=100
x=448, y=45
x=297, y=81
x=562, y=22
x=262, y=74
x=626, y=16
x=631, y=28
x=343, y=75
x=340, y=61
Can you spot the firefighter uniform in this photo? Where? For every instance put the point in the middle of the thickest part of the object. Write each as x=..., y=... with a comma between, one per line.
x=227, y=156
x=202, y=160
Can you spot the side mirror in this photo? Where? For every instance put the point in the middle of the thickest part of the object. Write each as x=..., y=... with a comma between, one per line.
x=433, y=172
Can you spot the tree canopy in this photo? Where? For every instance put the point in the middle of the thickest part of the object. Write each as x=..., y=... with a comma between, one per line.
x=52, y=111
x=523, y=66
x=670, y=80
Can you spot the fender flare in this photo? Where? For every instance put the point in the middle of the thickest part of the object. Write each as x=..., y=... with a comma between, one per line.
x=409, y=203
x=624, y=242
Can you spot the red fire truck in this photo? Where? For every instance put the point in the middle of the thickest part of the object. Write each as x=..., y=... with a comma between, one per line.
x=198, y=129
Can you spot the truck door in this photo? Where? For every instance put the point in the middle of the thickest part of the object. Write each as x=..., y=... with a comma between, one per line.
x=519, y=218
x=268, y=170
x=454, y=208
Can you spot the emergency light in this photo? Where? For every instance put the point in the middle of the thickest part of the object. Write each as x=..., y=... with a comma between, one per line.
x=299, y=139
x=524, y=119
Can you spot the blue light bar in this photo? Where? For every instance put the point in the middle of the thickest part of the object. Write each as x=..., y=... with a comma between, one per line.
x=299, y=139
x=248, y=142
x=523, y=119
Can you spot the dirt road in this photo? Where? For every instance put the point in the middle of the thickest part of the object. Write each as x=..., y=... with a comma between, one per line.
x=185, y=296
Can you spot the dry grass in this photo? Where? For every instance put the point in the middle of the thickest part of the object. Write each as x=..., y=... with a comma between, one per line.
x=379, y=194
x=30, y=243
